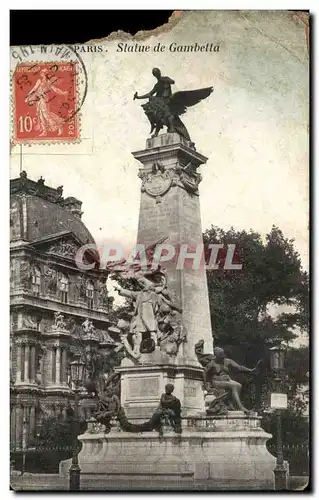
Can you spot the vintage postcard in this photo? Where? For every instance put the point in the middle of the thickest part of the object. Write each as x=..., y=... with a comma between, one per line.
x=159, y=257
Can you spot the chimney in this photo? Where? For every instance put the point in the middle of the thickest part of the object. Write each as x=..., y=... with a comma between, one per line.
x=73, y=205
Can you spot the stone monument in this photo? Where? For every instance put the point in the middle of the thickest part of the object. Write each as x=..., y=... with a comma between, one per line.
x=168, y=344
x=170, y=211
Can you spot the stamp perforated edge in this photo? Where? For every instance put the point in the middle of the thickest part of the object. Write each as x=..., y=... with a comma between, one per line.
x=43, y=142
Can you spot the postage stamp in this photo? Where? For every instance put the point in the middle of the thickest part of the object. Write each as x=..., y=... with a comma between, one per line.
x=46, y=101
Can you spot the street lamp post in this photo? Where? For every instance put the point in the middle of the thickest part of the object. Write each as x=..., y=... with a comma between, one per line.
x=279, y=402
x=77, y=371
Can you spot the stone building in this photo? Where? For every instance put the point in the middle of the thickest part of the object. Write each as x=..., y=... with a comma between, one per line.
x=55, y=306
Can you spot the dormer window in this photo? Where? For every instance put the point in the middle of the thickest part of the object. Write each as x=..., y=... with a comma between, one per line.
x=90, y=294
x=36, y=280
x=64, y=288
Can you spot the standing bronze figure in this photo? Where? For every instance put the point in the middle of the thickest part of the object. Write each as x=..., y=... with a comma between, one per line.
x=165, y=108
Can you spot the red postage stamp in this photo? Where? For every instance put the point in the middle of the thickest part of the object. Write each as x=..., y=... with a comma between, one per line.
x=45, y=102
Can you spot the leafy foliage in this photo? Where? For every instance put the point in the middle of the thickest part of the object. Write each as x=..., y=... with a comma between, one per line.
x=294, y=427
x=59, y=432
x=242, y=303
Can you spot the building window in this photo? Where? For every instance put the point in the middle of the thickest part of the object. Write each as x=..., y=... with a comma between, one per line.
x=64, y=288
x=36, y=280
x=90, y=294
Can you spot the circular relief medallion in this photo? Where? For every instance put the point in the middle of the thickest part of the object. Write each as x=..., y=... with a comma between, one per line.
x=157, y=184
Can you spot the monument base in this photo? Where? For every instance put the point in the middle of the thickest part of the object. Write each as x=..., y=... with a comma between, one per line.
x=143, y=384
x=220, y=453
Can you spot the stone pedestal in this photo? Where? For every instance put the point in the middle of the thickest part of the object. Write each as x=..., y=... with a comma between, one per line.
x=170, y=211
x=226, y=453
x=143, y=384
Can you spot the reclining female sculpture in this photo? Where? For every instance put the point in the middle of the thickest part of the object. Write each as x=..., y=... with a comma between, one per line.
x=216, y=375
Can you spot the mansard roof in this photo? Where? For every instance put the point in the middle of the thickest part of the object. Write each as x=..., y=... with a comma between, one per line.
x=39, y=211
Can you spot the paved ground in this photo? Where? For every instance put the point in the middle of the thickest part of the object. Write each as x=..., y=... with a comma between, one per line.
x=52, y=482
x=38, y=482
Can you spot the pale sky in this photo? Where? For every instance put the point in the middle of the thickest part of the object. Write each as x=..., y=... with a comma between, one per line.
x=253, y=128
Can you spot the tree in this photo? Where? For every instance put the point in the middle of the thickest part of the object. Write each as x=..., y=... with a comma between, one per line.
x=242, y=301
x=293, y=425
x=59, y=432
x=295, y=437
x=55, y=442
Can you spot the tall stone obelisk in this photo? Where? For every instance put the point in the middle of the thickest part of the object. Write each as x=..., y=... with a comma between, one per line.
x=170, y=211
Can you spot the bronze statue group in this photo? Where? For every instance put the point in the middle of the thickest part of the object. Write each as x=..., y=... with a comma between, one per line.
x=216, y=382
x=222, y=394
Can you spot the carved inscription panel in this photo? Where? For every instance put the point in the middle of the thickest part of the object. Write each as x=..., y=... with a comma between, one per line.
x=143, y=387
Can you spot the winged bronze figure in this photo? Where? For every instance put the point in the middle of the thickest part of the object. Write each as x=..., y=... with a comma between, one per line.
x=164, y=108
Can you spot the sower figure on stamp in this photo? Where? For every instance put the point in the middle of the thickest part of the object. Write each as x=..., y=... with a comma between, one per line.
x=38, y=95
